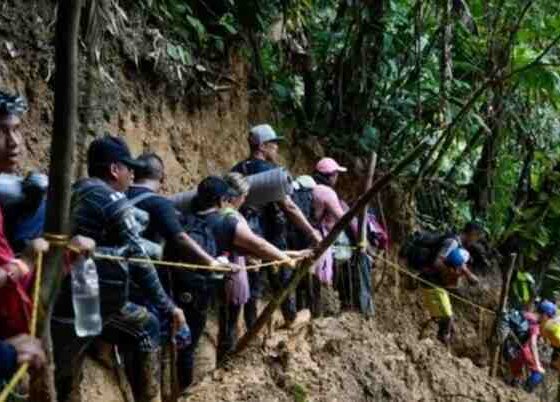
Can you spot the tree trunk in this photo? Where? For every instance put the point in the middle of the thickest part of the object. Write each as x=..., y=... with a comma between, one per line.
x=60, y=177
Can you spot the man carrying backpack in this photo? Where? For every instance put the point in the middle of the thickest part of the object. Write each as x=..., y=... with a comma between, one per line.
x=427, y=249
x=436, y=296
x=521, y=332
x=101, y=211
x=220, y=235
x=270, y=220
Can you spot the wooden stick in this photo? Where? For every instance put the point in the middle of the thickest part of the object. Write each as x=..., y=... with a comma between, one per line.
x=60, y=177
x=496, y=347
x=363, y=216
x=325, y=244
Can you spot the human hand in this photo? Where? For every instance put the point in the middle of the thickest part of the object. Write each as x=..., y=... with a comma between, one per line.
x=82, y=244
x=38, y=245
x=178, y=320
x=300, y=254
x=16, y=269
x=29, y=350
x=316, y=237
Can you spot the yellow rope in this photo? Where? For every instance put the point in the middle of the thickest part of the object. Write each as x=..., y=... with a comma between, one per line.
x=433, y=285
x=20, y=373
x=185, y=265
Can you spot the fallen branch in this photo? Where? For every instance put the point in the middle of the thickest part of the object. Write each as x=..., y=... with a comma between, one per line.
x=325, y=244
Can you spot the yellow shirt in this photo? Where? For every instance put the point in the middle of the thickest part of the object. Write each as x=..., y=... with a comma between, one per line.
x=550, y=330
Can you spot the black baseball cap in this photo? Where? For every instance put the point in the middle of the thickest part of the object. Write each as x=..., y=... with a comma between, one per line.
x=110, y=149
x=214, y=187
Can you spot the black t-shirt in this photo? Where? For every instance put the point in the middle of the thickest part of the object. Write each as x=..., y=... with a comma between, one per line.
x=223, y=227
x=164, y=218
x=250, y=167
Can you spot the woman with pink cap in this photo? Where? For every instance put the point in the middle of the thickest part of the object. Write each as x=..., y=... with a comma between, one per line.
x=327, y=208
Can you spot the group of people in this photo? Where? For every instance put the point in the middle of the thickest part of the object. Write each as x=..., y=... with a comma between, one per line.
x=118, y=210
x=441, y=259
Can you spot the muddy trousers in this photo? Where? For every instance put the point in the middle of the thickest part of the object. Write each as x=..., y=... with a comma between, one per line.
x=308, y=295
x=133, y=329
x=278, y=281
x=195, y=307
x=227, y=332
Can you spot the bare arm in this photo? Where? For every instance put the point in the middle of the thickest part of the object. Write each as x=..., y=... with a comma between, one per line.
x=190, y=245
x=247, y=240
x=296, y=216
x=469, y=274
x=535, y=352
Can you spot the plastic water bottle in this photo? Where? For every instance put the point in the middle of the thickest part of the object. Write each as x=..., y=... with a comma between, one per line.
x=85, y=298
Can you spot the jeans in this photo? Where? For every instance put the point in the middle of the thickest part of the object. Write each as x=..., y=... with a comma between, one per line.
x=133, y=329
x=278, y=281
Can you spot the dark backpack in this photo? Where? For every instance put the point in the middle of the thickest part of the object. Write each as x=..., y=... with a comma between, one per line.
x=513, y=330
x=421, y=248
x=303, y=198
x=198, y=229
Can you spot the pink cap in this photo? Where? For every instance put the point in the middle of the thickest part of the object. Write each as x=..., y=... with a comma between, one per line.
x=329, y=166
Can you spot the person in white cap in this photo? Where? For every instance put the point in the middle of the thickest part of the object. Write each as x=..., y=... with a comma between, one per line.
x=270, y=220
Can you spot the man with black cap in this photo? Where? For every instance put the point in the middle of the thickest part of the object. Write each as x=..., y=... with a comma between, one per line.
x=270, y=220
x=100, y=210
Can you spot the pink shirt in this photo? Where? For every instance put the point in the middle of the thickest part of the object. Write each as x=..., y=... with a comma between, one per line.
x=326, y=204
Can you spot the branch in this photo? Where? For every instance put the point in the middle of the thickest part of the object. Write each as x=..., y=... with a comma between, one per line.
x=325, y=244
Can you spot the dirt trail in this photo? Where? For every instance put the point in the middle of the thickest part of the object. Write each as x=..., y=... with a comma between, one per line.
x=350, y=359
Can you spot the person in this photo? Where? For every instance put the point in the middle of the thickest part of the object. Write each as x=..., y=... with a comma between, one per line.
x=520, y=347
x=269, y=221
x=550, y=329
x=164, y=224
x=101, y=211
x=25, y=220
x=436, y=296
x=523, y=289
x=471, y=233
x=220, y=234
x=19, y=350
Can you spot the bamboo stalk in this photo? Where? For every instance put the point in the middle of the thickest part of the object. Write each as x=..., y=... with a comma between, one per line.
x=60, y=177
x=326, y=243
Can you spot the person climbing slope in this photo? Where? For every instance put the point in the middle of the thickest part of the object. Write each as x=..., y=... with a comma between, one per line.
x=436, y=298
x=550, y=329
x=521, y=331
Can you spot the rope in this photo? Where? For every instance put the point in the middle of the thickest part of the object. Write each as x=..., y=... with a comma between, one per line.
x=20, y=373
x=433, y=285
x=185, y=265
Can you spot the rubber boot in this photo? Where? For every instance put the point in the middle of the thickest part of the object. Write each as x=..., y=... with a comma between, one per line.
x=147, y=388
x=445, y=331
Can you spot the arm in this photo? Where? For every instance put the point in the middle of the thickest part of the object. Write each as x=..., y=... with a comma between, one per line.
x=535, y=352
x=192, y=246
x=144, y=275
x=472, y=278
x=245, y=238
x=297, y=217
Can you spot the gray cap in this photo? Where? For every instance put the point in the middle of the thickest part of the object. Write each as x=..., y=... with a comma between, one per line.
x=263, y=133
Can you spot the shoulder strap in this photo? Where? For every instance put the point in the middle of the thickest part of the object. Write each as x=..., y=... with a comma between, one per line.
x=141, y=197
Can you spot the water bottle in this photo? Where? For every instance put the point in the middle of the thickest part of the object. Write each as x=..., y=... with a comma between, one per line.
x=85, y=298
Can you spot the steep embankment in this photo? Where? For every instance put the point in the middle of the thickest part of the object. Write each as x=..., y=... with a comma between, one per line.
x=349, y=359
x=134, y=89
